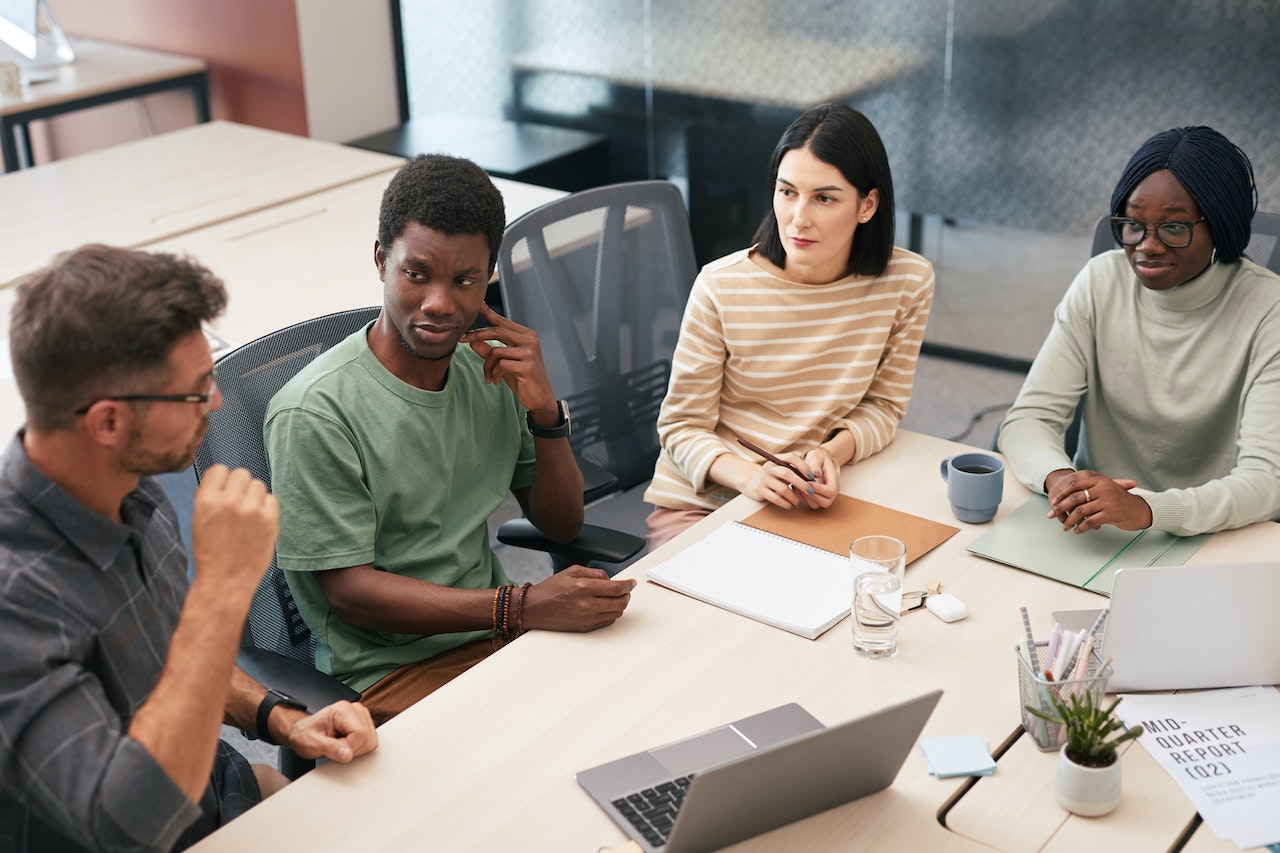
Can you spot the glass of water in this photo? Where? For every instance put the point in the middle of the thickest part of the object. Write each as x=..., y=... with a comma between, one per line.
x=879, y=563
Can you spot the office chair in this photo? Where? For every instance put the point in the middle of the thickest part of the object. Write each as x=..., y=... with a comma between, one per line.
x=277, y=647
x=603, y=276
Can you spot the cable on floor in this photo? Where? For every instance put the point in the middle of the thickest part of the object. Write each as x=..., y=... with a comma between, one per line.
x=977, y=418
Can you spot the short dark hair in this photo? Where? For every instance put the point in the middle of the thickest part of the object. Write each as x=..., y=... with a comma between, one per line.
x=845, y=138
x=451, y=195
x=1215, y=173
x=99, y=321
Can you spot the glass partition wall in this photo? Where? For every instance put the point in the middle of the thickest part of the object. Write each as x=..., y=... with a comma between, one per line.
x=1007, y=122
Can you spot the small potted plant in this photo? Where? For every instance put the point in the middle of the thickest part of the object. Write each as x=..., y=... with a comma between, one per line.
x=1088, y=778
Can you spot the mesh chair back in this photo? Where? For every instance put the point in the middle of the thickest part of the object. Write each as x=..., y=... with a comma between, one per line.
x=1263, y=248
x=1264, y=243
x=1103, y=239
x=248, y=378
x=603, y=276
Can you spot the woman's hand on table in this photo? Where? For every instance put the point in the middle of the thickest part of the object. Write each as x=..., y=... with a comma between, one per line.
x=1086, y=500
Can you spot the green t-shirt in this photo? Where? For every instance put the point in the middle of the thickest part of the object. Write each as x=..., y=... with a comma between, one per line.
x=371, y=470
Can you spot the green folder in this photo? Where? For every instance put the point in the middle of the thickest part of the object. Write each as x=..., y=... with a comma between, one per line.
x=1027, y=539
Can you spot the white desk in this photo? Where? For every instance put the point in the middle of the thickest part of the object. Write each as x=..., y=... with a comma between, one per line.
x=102, y=73
x=487, y=762
x=139, y=193
x=1152, y=803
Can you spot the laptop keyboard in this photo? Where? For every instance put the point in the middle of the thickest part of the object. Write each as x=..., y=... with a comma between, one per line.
x=653, y=811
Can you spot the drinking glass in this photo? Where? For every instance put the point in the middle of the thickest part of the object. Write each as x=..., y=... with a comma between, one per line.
x=879, y=563
x=877, y=599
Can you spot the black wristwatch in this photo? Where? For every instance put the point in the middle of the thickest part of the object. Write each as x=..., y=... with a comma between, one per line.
x=272, y=699
x=560, y=430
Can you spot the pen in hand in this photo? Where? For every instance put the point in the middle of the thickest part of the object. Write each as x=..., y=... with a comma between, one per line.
x=775, y=460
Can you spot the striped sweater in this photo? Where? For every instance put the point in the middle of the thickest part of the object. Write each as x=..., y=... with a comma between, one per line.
x=785, y=365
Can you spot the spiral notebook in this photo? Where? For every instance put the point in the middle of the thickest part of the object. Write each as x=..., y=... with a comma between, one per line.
x=803, y=587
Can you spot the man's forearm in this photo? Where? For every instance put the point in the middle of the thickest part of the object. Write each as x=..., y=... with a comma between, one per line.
x=555, y=497
x=180, y=721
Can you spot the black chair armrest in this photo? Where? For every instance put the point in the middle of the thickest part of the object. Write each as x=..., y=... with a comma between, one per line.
x=300, y=680
x=596, y=481
x=592, y=543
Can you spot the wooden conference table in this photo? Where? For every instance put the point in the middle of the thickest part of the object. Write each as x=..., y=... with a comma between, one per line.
x=487, y=762
x=141, y=192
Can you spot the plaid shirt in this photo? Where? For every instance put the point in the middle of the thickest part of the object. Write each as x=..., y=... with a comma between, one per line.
x=87, y=609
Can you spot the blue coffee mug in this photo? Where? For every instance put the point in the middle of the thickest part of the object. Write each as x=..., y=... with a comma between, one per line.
x=975, y=484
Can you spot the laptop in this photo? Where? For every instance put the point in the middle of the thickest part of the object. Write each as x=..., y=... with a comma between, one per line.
x=1192, y=627
x=753, y=775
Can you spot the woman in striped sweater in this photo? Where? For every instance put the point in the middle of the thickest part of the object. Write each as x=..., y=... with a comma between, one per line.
x=804, y=344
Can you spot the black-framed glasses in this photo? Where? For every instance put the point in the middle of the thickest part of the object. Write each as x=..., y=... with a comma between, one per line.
x=203, y=399
x=1131, y=232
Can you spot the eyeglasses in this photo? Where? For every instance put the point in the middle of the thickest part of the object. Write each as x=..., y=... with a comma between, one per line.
x=1131, y=232
x=203, y=399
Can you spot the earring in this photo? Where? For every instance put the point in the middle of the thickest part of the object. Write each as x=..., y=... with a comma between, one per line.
x=1213, y=258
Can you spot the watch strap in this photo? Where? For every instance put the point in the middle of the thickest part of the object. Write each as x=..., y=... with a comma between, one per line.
x=560, y=430
x=269, y=701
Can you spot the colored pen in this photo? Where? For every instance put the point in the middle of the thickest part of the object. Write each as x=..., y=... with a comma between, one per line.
x=1097, y=623
x=1066, y=653
x=1055, y=640
x=1031, y=640
x=775, y=460
x=1082, y=659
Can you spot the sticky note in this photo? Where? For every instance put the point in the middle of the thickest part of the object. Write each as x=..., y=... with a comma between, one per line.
x=965, y=755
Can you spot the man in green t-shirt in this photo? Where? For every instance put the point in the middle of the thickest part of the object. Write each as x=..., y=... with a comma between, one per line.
x=390, y=451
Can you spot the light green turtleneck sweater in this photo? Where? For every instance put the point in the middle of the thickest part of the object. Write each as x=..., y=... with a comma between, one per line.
x=1183, y=393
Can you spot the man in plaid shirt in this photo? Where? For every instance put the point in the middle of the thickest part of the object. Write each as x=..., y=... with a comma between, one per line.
x=117, y=672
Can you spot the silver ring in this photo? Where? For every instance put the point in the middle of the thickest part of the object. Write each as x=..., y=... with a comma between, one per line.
x=1087, y=499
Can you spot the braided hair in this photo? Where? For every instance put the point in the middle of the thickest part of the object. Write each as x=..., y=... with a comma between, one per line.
x=1215, y=173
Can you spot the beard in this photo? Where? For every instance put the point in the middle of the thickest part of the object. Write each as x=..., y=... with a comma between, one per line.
x=138, y=459
x=409, y=349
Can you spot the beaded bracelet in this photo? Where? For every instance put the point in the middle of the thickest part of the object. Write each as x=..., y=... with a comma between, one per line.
x=520, y=609
x=499, y=606
x=504, y=615
x=503, y=631
x=497, y=596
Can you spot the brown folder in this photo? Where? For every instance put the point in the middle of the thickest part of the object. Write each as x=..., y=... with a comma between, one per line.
x=834, y=528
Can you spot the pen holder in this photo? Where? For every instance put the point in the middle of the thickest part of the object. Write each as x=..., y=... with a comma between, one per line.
x=1034, y=690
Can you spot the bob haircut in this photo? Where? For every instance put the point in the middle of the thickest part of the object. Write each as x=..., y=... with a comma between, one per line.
x=845, y=138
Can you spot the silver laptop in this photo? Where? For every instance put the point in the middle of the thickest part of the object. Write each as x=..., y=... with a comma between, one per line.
x=1190, y=627
x=753, y=775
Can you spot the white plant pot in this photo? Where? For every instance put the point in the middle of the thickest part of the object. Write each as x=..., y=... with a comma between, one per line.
x=1087, y=791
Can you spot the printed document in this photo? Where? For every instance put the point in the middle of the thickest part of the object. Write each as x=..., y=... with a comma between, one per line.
x=1223, y=748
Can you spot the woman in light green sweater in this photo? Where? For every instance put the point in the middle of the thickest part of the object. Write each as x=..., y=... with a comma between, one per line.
x=1171, y=346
